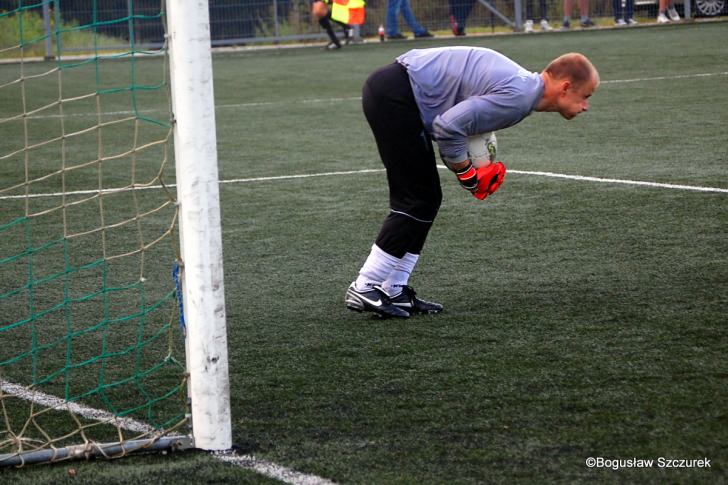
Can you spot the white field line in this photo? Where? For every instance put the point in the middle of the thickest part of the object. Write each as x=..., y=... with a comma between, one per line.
x=53, y=402
x=358, y=98
x=694, y=188
x=271, y=470
x=520, y=172
x=300, y=101
x=582, y=178
x=250, y=462
x=663, y=78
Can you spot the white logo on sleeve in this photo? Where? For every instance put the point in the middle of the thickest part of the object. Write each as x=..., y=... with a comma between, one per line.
x=524, y=74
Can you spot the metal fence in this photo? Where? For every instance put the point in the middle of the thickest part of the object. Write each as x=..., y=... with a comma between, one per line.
x=242, y=22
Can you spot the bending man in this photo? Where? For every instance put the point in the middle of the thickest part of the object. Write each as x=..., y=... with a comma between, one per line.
x=446, y=95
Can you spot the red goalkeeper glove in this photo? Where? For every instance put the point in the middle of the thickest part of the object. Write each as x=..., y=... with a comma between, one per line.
x=490, y=178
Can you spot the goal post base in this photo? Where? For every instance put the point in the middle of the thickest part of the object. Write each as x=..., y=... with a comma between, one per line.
x=94, y=450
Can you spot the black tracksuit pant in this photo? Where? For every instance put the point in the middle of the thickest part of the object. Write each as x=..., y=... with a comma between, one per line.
x=408, y=156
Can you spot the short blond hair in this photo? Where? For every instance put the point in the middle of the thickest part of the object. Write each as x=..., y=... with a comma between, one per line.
x=573, y=66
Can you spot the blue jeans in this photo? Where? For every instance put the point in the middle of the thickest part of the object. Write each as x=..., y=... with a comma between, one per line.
x=394, y=7
x=628, y=9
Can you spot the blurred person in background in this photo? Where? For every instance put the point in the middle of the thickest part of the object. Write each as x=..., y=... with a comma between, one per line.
x=623, y=16
x=585, y=21
x=667, y=12
x=322, y=13
x=544, y=24
x=459, y=12
x=394, y=8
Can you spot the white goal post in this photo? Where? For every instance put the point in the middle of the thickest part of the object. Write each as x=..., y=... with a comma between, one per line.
x=91, y=360
x=195, y=150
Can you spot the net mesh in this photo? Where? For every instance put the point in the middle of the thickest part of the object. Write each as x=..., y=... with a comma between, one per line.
x=91, y=348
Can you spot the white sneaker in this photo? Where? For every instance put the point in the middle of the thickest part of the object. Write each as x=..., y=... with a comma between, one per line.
x=673, y=14
x=620, y=23
x=632, y=22
x=528, y=26
x=662, y=19
x=545, y=27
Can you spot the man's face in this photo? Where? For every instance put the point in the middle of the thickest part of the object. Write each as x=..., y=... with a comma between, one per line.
x=574, y=99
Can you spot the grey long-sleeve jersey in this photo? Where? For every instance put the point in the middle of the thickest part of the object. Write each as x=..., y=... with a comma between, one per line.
x=464, y=91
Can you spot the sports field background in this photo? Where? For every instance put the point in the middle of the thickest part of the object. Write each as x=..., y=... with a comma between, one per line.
x=583, y=318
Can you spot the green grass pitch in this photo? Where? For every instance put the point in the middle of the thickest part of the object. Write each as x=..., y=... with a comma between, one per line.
x=582, y=318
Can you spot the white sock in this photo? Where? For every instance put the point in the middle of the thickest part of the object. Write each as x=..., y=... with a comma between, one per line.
x=376, y=269
x=400, y=276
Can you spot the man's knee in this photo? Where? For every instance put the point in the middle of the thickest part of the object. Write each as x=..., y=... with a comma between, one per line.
x=425, y=212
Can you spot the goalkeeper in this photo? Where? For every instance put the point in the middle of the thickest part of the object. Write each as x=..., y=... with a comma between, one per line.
x=445, y=94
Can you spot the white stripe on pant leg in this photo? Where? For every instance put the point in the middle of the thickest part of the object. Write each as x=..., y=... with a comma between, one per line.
x=411, y=216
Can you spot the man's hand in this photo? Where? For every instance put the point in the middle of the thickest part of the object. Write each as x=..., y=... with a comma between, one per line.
x=490, y=178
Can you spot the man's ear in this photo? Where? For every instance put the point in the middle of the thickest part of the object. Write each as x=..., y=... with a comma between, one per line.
x=564, y=87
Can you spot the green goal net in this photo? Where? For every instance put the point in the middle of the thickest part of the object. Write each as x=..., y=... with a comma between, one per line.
x=91, y=339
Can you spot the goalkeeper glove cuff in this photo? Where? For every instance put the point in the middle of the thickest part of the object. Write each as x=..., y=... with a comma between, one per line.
x=468, y=177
